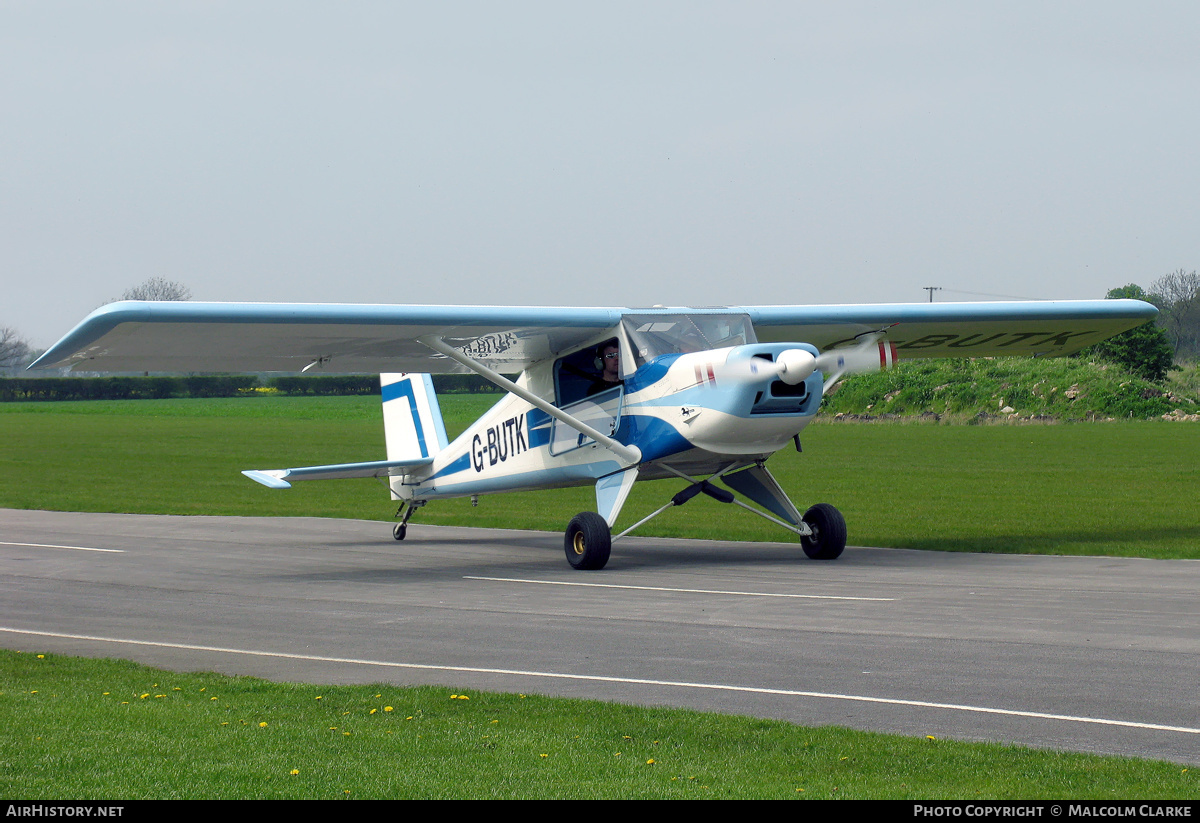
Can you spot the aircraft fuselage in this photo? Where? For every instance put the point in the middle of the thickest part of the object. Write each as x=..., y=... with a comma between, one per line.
x=695, y=412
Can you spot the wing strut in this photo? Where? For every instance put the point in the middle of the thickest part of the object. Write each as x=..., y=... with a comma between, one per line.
x=631, y=455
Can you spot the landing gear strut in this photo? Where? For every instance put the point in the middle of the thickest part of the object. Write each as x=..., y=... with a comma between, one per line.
x=401, y=529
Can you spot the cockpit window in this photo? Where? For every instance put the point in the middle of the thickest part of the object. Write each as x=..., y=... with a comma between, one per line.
x=652, y=335
x=587, y=372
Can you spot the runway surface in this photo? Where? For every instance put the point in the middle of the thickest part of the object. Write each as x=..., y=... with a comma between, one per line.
x=1088, y=654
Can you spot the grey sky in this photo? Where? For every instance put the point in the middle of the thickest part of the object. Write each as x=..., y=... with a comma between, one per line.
x=592, y=154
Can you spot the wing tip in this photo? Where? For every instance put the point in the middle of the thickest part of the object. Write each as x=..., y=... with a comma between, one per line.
x=270, y=479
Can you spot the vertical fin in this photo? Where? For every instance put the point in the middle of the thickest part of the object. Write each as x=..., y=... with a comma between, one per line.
x=412, y=419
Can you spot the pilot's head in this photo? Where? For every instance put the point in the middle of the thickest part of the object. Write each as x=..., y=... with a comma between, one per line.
x=608, y=360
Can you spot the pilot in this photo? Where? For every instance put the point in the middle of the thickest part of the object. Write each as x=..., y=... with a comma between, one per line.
x=608, y=359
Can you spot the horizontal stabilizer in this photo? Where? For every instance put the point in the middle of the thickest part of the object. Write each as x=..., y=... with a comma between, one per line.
x=278, y=478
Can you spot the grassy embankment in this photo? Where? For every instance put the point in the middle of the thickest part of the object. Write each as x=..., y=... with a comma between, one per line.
x=1061, y=389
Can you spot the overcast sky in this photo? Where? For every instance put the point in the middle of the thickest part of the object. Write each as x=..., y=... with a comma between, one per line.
x=569, y=153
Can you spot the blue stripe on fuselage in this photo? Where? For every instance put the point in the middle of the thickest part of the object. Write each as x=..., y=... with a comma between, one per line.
x=454, y=467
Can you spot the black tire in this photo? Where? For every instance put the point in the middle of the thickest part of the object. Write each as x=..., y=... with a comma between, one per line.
x=588, y=541
x=829, y=532
x=399, y=530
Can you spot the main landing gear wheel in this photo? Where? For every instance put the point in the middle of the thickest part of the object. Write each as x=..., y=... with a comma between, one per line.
x=588, y=541
x=399, y=530
x=828, y=532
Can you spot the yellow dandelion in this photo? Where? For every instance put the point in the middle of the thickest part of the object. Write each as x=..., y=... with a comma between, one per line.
x=41, y=657
x=212, y=698
x=295, y=771
x=373, y=711
x=410, y=717
x=318, y=697
x=930, y=737
x=262, y=725
x=650, y=762
x=543, y=755
x=144, y=696
x=176, y=689
x=345, y=734
x=106, y=694
x=387, y=708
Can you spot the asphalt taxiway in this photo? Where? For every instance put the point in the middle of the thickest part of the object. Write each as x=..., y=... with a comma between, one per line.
x=1088, y=654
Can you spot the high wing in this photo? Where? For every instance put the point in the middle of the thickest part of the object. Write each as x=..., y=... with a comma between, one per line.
x=351, y=338
x=923, y=330
x=331, y=337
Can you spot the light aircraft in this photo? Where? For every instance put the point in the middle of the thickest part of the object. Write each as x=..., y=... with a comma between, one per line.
x=697, y=394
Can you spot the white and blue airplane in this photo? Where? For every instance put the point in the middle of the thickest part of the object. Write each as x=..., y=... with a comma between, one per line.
x=604, y=396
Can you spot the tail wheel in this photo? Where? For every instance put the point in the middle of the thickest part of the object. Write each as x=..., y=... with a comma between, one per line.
x=828, y=532
x=588, y=541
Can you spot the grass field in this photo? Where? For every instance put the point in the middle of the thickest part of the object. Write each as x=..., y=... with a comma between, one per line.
x=1120, y=488
x=1126, y=488
x=109, y=729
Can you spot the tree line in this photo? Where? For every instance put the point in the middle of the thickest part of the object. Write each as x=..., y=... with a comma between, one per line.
x=215, y=385
x=1152, y=349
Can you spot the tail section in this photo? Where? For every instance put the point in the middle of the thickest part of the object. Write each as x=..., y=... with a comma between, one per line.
x=412, y=420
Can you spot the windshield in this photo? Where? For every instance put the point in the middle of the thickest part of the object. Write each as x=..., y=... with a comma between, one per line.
x=652, y=335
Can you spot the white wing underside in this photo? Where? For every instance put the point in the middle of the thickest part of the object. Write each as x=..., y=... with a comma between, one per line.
x=349, y=338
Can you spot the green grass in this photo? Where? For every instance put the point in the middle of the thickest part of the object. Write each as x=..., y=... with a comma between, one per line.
x=102, y=729
x=1123, y=488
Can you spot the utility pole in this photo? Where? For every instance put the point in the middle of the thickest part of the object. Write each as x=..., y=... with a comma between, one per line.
x=931, y=290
